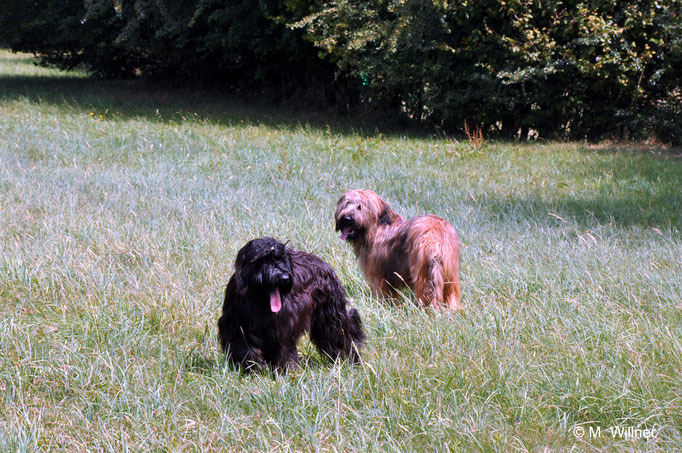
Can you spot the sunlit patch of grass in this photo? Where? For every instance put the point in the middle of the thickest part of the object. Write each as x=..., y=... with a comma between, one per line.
x=118, y=235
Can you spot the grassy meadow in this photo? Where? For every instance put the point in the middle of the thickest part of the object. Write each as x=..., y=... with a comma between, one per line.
x=122, y=206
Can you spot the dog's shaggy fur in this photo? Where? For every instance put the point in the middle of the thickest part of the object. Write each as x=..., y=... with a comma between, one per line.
x=422, y=253
x=275, y=295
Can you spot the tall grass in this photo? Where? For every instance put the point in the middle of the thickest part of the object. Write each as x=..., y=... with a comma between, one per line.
x=122, y=206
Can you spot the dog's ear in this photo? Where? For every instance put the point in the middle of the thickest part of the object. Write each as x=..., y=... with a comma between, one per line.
x=337, y=214
x=239, y=278
x=242, y=269
x=227, y=324
x=387, y=215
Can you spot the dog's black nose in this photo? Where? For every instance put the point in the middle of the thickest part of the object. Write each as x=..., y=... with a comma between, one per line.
x=284, y=278
x=347, y=219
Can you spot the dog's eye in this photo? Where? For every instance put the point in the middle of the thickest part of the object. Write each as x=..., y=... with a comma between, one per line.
x=359, y=207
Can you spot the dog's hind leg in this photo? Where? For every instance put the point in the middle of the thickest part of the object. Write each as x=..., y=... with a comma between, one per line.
x=355, y=334
x=335, y=331
x=452, y=299
x=429, y=284
x=451, y=292
x=327, y=331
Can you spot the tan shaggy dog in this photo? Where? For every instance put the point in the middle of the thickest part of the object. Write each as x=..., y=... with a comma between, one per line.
x=422, y=253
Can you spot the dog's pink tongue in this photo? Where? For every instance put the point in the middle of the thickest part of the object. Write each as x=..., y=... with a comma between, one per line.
x=275, y=301
x=344, y=233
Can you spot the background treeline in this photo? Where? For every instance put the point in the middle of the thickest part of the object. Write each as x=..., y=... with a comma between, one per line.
x=569, y=69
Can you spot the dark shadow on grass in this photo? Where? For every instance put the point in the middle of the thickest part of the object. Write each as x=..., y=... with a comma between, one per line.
x=653, y=150
x=168, y=103
x=663, y=210
x=627, y=187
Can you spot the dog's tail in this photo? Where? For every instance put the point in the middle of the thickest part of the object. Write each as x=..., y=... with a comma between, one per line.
x=357, y=333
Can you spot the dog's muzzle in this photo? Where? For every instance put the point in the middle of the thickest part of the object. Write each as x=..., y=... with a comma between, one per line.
x=283, y=285
x=346, y=225
x=284, y=282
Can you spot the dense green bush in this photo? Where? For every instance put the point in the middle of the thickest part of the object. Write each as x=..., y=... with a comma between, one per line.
x=572, y=69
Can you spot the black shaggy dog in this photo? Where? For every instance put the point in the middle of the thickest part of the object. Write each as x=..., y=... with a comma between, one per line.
x=275, y=295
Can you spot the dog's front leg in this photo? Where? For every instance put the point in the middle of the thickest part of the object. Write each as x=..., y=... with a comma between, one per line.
x=286, y=359
x=248, y=358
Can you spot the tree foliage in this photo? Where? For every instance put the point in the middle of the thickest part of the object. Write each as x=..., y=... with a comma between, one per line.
x=568, y=68
x=573, y=69
x=236, y=42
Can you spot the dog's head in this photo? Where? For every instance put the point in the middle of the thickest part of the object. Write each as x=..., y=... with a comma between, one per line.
x=263, y=266
x=360, y=212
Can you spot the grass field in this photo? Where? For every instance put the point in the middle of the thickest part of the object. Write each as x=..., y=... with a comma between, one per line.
x=122, y=207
